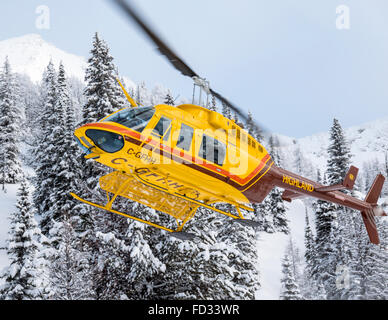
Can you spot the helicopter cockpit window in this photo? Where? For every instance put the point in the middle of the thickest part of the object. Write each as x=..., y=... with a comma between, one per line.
x=185, y=137
x=108, y=141
x=212, y=150
x=134, y=118
x=161, y=128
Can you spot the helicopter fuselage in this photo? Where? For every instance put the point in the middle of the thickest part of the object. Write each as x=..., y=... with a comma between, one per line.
x=173, y=156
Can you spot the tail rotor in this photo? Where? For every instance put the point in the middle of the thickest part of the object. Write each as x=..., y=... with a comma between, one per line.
x=368, y=216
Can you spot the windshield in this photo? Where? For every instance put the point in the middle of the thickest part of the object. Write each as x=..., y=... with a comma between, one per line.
x=108, y=141
x=134, y=118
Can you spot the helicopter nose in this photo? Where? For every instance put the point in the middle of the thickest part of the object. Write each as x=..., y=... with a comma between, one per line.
x=83, y=143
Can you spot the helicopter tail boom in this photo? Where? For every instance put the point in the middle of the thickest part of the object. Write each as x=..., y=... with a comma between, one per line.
x=298, y=187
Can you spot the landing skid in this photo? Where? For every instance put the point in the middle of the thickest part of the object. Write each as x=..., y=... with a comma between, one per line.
x=120, y=213
x=183, y=209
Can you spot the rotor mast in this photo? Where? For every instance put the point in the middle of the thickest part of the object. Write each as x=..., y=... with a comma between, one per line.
x=204, y=86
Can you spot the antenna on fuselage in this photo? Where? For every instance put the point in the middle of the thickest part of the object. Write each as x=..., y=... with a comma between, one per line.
x=129, y=98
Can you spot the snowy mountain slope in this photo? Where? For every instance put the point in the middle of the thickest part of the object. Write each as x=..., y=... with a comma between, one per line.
x=368, y=141
x=30, y=55
x=271, y=249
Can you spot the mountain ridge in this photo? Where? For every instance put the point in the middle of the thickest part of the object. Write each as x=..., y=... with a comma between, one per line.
x=30, y=54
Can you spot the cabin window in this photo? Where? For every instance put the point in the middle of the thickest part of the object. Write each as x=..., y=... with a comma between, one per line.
x=134, y=118
x=212, y=150
x=185, y=137
x=161, y=127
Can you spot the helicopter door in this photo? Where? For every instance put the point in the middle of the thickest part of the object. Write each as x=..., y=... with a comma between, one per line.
x=162, y=132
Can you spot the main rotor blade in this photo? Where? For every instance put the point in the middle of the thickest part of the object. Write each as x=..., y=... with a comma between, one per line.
x=177, y=62
x=240, y=112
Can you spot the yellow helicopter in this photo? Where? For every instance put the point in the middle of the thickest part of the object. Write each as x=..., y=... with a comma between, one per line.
x=177, y=159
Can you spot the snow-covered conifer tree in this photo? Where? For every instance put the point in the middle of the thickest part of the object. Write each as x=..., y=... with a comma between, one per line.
x=103, y=96
x=213, y=103
x=290, y=288
x=320, y=292
x=309, y=256
x=127, y=265
x=226, y=112
x=385, y=172
x=339, y=155
x=368, y=266
x=142, y=95
x=180, y=259
x=76, y=90
x=29, y=96
x=44, y=149
x=303, y=165
x=220, y=263
x=252, y=129
x=376, y=266
x=340, y=252
x=56, y=158
x=241, y=250
x=102, y=91
x=158, y=94
x=10, y=120
x=169, y=99
x=70, y=273
x=296, y=261
x=323, y=267
x=22, y=275
x=343, y=239
x=178, y=256
x=216, y=275
x=144, y=265
x=72, y=172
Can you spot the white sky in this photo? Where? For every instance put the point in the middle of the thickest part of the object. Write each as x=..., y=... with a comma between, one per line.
x=285, y=60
